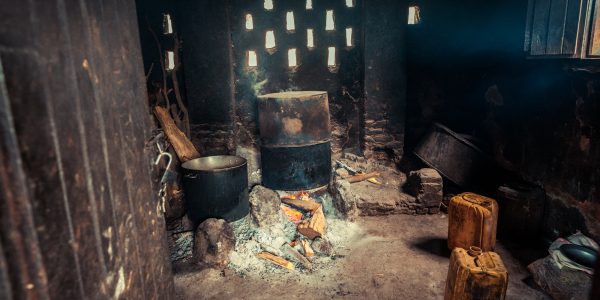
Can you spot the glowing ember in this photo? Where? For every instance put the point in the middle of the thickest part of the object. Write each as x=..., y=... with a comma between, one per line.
x=303, y=195
x=294, y=215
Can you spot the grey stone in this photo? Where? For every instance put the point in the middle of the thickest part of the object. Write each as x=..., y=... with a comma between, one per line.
x=213, y=241
x=344, y=199
x=322, y=246
x=265, y=207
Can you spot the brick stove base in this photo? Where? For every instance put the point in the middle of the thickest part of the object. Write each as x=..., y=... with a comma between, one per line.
x=391, y=197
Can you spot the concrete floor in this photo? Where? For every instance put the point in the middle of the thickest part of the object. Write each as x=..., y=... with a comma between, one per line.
x=398, y=257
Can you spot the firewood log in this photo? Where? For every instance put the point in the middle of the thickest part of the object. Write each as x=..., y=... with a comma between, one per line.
x=183, y=146
x=276, y=260
x=306, y=205
x=295, y=255
x=315, y=226
x=361, y=177
x=308, y=251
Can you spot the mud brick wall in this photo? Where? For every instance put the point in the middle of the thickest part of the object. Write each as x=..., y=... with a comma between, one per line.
x=366, y=85
x=385, y=78
x=213, y=139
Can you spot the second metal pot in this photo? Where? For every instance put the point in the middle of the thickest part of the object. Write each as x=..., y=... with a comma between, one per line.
x=216, y=187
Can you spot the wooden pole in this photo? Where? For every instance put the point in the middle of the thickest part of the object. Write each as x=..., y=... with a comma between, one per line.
x=183, y=146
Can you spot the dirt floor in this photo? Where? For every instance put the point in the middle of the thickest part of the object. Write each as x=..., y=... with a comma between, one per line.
x=398, y=257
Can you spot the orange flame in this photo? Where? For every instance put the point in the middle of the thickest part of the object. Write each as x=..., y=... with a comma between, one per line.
x=294, y=215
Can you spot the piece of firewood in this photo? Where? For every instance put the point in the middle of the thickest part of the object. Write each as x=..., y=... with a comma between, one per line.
x=295, y=255
x=315, y=226
x=361, y=177
x=183, y=146
x=276, y=260
x=306, y=205
x=308, y=251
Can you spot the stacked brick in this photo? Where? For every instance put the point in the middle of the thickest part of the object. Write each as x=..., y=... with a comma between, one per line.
x=427, y=186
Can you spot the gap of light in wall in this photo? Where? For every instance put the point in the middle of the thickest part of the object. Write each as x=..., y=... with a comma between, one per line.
x=310, y=41
x=350, y=3
x=289, y=21
x=349, y=36
x=170, y=64
x=167, y=24
x=249, y=22
x=268, y=4
x=331, y=56
x=252, y=60
x=270, y=39
x=414, y=16
x=329, y=24
x=308, y=4
x=292, y=58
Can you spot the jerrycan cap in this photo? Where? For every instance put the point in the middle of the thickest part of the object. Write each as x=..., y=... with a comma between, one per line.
x=474, y=251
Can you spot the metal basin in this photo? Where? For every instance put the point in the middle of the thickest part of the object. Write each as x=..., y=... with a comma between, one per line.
x=451, y=154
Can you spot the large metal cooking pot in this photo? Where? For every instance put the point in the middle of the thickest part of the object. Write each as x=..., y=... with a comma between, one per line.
x=216, y=187
x=294, y=134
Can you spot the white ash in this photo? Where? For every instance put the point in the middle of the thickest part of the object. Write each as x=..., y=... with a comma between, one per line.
x=180, y=245
x=250, y=240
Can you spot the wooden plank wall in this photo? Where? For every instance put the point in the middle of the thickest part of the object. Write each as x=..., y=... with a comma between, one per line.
x=553, y=26
x=78, y=211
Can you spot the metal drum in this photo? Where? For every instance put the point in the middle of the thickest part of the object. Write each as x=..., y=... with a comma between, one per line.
x=295, y=140
x=216, y=187
x=452, y=155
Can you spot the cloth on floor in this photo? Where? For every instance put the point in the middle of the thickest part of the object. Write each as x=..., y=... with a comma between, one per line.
x=578, y=239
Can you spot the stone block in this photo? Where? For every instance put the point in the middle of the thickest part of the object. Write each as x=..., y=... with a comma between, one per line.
x=427, y=186
x=265, y=207
x=213, y=241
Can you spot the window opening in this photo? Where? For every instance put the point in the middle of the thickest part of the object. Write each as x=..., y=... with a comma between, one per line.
x=310, y=40
x=414, y=15
x=329, y=21
x=249, y=22
x=270, y=39
x=289, y=21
